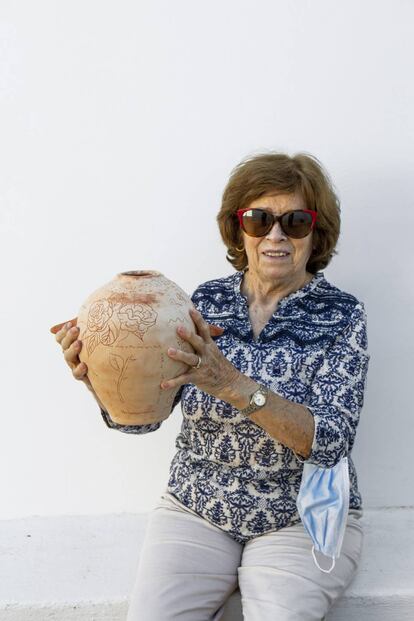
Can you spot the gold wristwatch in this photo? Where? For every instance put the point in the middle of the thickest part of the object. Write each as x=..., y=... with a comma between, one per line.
x=258, y=399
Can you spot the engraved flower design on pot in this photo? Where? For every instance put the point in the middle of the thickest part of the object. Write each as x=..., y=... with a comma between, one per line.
x=101, y=327
x=99, y=314
x=137, y=318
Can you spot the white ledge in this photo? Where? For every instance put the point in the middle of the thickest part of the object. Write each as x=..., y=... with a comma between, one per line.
x=83, y=567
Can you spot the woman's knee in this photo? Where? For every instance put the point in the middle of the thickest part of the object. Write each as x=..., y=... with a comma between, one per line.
x=187, y=568
x=278, y=575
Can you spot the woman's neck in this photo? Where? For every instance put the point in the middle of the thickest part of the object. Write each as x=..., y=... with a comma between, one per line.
x=267, y=293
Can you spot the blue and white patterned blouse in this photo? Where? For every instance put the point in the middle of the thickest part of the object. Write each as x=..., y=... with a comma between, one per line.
x=312, y=351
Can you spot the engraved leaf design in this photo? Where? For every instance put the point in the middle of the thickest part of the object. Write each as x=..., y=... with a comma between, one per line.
x=124, y=365
x=114, y=362
x=92, y=342
x=110, y=334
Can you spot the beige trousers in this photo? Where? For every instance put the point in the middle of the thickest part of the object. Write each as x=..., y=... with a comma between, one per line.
x=188, y=568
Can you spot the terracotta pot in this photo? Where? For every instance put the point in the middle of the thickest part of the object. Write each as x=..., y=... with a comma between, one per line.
x=126, y=327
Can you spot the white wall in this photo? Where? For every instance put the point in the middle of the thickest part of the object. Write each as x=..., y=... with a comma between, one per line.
x=119, y=125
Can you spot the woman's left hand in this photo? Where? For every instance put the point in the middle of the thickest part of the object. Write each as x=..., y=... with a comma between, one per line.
x=215, y=372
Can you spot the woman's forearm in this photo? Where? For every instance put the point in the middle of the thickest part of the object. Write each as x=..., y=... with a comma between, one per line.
x=287, y=422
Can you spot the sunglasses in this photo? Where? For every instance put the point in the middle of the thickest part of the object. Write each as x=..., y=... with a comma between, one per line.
x=258, y=222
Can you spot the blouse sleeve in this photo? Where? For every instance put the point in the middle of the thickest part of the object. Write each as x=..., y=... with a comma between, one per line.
x=337, y=393
x=138, y=429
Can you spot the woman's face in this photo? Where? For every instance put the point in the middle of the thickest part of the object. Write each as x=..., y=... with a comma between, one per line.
x=272, y=268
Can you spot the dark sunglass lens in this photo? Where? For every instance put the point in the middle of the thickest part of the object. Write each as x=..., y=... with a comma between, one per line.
x=257, y=222
x=296, y=224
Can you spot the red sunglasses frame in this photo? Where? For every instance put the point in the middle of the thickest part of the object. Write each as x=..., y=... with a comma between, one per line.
x=240, y=213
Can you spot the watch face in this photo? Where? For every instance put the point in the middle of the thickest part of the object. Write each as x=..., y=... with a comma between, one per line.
x=259, y=399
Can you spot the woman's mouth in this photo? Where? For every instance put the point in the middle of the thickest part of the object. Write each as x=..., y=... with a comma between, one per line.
x=276, y=255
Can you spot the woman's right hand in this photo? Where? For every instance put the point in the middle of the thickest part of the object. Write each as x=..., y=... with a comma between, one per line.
x=71, y=347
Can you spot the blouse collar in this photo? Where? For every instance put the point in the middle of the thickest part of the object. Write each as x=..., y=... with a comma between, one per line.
x=241, y=320
x=295, y=295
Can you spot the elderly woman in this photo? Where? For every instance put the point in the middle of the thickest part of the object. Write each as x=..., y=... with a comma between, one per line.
x=282, y=386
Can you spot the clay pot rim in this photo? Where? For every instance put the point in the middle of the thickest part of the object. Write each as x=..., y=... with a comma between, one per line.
x=138, y=274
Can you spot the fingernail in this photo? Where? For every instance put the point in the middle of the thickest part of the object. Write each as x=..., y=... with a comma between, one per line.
x=171, y=350
x=68, y=325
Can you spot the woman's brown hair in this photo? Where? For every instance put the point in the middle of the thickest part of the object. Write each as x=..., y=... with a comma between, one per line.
x=271, y=172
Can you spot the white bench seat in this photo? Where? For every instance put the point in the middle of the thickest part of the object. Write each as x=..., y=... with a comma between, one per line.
x=82, y=568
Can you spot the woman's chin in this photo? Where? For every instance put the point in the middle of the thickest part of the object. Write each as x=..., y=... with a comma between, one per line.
x=282, y=269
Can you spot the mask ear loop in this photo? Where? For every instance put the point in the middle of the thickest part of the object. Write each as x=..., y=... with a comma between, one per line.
x=325, y=571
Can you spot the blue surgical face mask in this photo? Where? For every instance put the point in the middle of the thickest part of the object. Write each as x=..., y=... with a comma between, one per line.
x=323, y=505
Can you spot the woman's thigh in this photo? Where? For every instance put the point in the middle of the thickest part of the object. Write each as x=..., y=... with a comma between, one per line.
x=279, y=580
x=187, y=567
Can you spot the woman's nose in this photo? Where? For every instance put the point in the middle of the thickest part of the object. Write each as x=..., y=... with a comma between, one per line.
x=276, y=233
